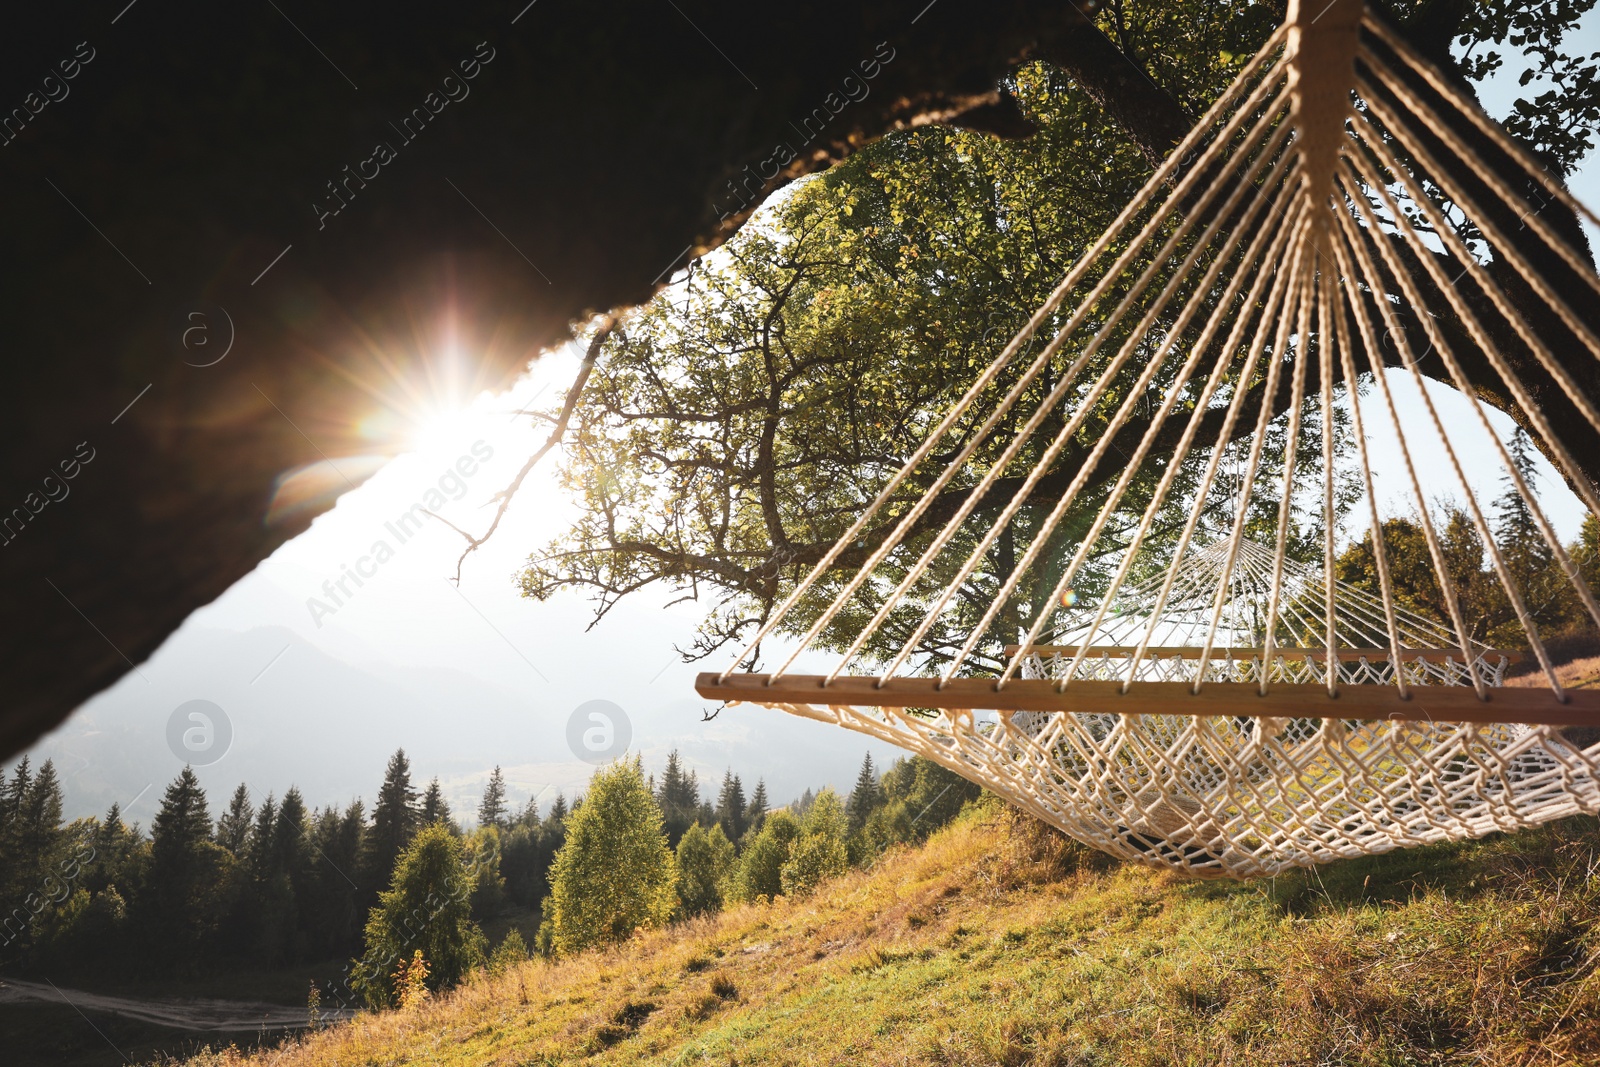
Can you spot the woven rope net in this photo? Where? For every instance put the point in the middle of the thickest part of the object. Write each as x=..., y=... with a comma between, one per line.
x=1202, y=693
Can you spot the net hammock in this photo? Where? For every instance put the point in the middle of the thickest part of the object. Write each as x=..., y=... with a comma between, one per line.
x=1020, y=605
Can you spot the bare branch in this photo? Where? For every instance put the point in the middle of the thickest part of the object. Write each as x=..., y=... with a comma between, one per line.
x=558, y=430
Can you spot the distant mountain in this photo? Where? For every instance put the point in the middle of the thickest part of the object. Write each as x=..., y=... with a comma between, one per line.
x=300, y=716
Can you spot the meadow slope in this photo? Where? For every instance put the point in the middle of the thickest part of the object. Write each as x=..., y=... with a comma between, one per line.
x=998, y=943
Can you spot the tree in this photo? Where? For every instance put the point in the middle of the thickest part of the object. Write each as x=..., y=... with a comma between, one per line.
x=933, y=794
x=730, y=432
x=394, y=821
x=330, y=915
x=615, y=873
x=116, y=853
x=233, y=827
x=435, y=809
x=262, y=837
x=731, y=814
x=836, y=327
x=182, y=902
x=282, y=881
x=426, y=909
x=756, y=813
x=679, y=797
x=511, y=951
x=818, y=853
x=38, y=825
x=182, y=823
x=865, y=796
x=705, y=863
x=1545, y=590
x=481, y=850
x=492, y=809
x=1586, y=553
x=760, y=872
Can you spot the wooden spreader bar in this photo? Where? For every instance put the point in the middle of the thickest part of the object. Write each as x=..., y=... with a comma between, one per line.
x=1219, y=654
x=1427, y=703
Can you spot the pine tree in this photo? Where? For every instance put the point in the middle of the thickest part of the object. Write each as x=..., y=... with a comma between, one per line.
x=233, y=828
x=679, y=798
x=394, y=823
x=263, y=834
x=865, y=796
x=615, y=872
x=284, y=884
x=558, y=810
x=731, y=814
x=187, y=871
x=435, y=809
x=39, y=835
x=16, y=792
x=1527, y=555
x=334, y=917
x=182, y=824
x=492, y=809
x=529, y=815
x=290, y=834
x=756, y=813
x=114, y=845
x=1515, y=527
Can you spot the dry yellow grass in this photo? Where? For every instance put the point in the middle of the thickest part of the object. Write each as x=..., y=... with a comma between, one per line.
x=997, y=943
x=1579, y=674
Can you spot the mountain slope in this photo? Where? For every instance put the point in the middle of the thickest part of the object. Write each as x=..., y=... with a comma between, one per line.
x=997, y=943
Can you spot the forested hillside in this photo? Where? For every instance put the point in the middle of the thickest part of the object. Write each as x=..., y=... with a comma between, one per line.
x=1000, y=943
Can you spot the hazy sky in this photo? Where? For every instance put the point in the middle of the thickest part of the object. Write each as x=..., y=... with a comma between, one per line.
x=466, y=678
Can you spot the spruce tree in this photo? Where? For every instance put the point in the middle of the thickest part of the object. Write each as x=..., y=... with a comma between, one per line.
x=679, y=798
x=865, y=796
x=1528, y=557
x=283, y=884
x=394, y=823
x=40, y=835
x=435, y=809
x=233, y=828
x=529, y=815
x=756, y=813
x=492, y=809
x=15, y=792
x=263, y=836
x=731, y=806
x=336, y=856
x=114, y=847
x=290, y=834
x=183, y=900
x=182, y=824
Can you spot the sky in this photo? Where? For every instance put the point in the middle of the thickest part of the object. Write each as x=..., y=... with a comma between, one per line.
x=306, y=687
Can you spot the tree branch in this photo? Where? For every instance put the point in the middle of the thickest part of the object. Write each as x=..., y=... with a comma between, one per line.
x=557, y=431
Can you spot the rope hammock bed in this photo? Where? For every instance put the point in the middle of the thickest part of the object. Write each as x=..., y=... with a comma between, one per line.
x=1215, y=703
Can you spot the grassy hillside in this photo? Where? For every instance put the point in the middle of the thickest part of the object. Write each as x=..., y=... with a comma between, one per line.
x=997, y=943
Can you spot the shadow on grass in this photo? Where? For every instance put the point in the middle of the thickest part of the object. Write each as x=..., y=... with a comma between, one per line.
x=1562, y=853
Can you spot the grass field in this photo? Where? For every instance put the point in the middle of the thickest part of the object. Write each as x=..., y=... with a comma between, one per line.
x=999, y=943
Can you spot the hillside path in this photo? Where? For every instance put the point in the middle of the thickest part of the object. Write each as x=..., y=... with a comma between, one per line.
x=196, y=1013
